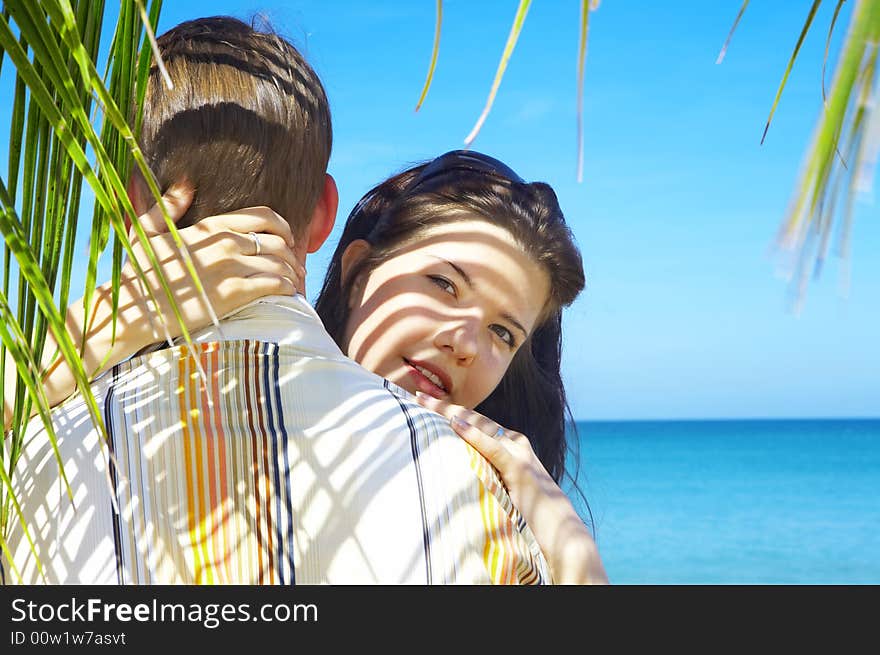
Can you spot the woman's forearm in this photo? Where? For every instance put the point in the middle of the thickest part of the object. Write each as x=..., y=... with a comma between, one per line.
x=566, y=542
x=99, y=350
x=232, y=275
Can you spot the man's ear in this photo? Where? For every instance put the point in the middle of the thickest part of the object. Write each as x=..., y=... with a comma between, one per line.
x=354, y=254
x=324, y=215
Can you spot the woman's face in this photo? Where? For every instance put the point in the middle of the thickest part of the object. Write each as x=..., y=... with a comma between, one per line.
x=446, y=315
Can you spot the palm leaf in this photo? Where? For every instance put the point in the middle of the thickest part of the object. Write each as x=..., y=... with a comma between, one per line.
x=36, y=283
x=512, y=38
x=727, y=41
x=849, y=112
x=582, y=57
x=828, y=45
x=51, y=131
x=797, y=47
x=109, y=198
x=434, y=54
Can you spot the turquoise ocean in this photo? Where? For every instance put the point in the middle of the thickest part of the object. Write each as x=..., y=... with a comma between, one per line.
x=734, y=502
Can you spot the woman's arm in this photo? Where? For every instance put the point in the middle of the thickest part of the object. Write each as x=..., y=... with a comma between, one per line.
x=564, y=539
x=232, y=275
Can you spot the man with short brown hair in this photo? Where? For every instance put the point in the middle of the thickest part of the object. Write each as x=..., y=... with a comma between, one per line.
x=246, y=123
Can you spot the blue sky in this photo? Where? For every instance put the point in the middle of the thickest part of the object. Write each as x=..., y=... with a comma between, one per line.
x=685, y=314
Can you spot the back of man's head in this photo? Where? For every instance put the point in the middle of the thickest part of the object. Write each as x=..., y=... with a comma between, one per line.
x=246, y=123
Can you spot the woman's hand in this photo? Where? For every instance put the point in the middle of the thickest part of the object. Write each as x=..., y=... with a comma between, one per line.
x=225, y=257
x=563, y=537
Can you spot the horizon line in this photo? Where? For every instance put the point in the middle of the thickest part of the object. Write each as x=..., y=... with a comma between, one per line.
x=727, y=419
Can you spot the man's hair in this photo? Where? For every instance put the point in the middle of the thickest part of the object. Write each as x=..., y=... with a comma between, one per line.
x=246, y=123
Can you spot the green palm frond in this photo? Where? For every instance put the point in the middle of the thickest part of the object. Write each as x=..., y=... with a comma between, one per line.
x=829, y=175
x=582, y=58
x=512, y=38
x=518, y=21
x=849, y=118
x=434, y=53
x=54, y=146
x=806, y=28
x=828, y=45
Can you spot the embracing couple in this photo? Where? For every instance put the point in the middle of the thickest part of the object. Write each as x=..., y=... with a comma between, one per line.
x=408, y=428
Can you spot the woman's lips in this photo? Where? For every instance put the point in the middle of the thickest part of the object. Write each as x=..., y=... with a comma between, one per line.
x=422, y=383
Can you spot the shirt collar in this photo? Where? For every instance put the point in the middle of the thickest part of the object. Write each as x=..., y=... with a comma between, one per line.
x=286, y=320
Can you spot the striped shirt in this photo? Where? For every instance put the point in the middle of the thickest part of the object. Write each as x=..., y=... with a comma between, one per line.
x=265, y=457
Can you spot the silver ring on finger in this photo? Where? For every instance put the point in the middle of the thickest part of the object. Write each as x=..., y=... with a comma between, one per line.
x=253, y=235
x=500, y=432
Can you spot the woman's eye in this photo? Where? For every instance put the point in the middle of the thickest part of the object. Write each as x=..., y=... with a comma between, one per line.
x=504, y=334
x=443, y=283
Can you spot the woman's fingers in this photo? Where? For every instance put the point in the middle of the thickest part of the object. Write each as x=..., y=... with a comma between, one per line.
x=251, y=219
x=469, y=416
x=484, y=434
x=489, y=447
x=450, y=410
x=248, y=227
x=271, y=265
x=271, y=245
x=225, y=258
x=230, y=253
x=240, y=292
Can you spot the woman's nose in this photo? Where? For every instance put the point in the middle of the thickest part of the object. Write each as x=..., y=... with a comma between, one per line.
x=460, y=339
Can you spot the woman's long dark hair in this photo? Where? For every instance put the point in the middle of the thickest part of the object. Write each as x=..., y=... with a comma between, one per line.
x=530, y=397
